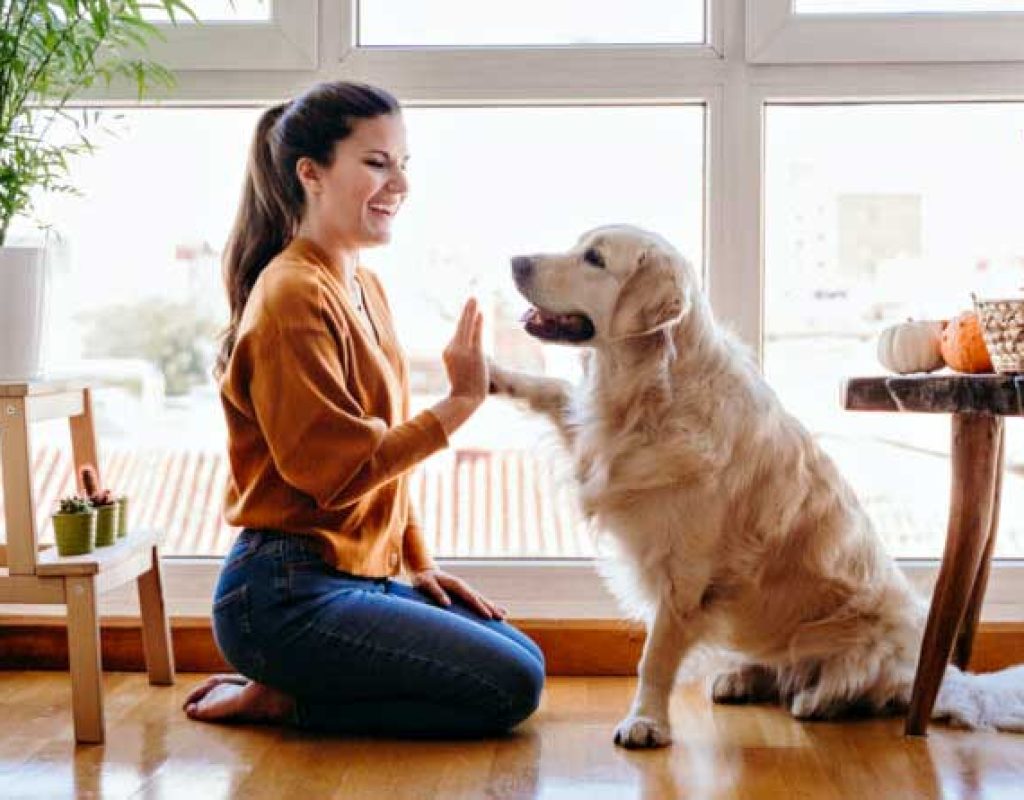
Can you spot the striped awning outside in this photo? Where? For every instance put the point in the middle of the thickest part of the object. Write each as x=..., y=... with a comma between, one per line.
x=472, y=503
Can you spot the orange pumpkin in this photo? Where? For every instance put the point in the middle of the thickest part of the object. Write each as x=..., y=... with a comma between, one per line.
x=962, y=346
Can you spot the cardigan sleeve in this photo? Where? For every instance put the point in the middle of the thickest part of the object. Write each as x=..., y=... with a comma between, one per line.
x=320, y=439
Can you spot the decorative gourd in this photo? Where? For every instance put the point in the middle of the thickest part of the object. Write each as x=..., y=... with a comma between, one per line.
x=963, y=348
x=912, y=346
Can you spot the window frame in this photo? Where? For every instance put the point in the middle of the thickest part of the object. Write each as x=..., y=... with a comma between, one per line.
x=287, y=41
x=738, y=74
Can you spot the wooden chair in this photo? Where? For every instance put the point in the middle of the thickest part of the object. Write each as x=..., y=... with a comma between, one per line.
x=33, y=574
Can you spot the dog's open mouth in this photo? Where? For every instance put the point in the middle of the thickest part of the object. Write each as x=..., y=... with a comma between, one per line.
x=558, y=327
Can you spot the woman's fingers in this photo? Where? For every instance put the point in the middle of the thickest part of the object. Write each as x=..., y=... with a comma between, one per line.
x=465, y=326
x=433, y=588
x=478, y=328
x=471, y=598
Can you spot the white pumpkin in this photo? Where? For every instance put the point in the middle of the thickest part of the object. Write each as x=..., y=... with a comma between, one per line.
x=912, y=346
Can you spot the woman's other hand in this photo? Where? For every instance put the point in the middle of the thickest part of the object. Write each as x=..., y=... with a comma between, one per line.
x=441, y=587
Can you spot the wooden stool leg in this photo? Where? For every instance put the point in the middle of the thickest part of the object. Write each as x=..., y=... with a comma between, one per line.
x=156, y=635
x=975, y=446
x=965, y=639
x=84, y=657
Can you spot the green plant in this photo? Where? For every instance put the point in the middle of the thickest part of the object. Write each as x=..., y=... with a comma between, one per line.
x=74, y=504
x=50, y=51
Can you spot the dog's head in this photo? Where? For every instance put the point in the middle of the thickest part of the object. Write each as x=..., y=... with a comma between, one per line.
x=617, y=283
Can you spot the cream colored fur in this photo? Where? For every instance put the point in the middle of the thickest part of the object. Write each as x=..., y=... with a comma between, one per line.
x=732, y=527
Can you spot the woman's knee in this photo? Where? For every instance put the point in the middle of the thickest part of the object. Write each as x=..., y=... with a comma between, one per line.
x=523, y=685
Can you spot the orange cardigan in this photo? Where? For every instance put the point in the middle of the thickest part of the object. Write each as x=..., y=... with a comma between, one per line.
x=319, y=439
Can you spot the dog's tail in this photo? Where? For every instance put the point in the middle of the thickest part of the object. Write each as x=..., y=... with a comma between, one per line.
x=990, y=701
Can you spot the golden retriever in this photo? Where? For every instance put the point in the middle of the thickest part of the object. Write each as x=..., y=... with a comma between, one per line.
x=732, y=527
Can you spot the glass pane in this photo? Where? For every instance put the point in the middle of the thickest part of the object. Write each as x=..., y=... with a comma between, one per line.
x=905, y=6
x=219, y=11
x=137, y=298
x=529, y=22
x=875, y=214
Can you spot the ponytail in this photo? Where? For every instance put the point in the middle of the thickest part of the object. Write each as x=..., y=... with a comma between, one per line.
x=264, y=225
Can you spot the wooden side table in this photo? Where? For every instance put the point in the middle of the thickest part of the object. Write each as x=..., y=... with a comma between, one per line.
x=977, y=404
x=31, y=574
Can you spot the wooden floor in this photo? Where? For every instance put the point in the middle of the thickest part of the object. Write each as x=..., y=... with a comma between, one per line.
x=565, y=751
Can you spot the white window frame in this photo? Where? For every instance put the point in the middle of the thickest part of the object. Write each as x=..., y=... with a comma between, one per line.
x=736, y=90
x=777, y=34
x=287, y=41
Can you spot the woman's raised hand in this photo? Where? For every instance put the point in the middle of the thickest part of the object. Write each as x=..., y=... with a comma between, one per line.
x=467, y=370
x=464, y=356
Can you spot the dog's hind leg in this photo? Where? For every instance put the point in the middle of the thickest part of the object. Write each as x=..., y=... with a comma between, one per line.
x=548, y=396
x=647, y=724
x=752, y=683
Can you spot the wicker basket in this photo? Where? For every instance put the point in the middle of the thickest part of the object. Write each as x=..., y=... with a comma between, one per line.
x=1002, y=327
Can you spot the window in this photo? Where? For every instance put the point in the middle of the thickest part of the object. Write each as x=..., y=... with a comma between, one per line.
x=873, y=214
x=142, y=309
x=884, y=31
x=529, y=22
x=756, y=172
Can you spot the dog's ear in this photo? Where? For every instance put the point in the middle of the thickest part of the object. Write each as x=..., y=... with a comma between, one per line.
x=653, y=297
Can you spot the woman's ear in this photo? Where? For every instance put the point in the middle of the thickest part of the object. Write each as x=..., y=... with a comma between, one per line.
x=308, y=173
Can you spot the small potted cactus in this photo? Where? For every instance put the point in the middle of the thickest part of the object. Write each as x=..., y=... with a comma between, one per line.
x=74, y=526
x=122, y=516
x=106, y=507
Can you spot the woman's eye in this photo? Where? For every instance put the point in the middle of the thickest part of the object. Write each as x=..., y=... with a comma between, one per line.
x=377, y=164
x=594, y=258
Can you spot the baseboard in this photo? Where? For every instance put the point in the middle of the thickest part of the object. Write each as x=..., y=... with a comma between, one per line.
x=572, y=647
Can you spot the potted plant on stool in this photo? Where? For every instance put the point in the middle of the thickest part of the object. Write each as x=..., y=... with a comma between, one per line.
x=106, y=506
x=50, y=51
x=74, y=526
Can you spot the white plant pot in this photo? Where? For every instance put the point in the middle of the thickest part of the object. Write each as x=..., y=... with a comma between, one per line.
x=22, y=312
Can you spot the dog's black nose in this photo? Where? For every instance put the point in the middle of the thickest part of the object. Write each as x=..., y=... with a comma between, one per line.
x=522, y=266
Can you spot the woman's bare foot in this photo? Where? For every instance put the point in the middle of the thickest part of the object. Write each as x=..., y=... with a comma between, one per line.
x=235, y=698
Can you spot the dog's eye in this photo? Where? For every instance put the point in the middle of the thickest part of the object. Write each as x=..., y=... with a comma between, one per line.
x=594, y=258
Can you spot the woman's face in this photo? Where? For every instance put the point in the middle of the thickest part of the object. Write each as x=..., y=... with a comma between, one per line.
x=355, y=199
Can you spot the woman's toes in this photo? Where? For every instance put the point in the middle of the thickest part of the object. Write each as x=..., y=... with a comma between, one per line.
x=221, y=701
x=202, y=689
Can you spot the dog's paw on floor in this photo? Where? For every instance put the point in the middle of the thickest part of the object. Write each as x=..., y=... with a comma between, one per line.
x=991, y=701
x=635, y=732
x=750, y=684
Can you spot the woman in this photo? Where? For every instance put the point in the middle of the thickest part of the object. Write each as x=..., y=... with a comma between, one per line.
x=315, y=392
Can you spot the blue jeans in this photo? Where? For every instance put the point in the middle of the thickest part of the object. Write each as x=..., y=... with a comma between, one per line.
x=368, y=655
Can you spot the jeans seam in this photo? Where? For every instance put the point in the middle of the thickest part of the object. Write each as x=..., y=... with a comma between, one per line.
x=390, y=652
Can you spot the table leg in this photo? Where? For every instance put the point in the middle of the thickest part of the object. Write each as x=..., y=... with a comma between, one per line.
x=965, y=639
x=975, y=450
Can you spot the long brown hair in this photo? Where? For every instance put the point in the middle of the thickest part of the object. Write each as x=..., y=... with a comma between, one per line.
x=273, y=200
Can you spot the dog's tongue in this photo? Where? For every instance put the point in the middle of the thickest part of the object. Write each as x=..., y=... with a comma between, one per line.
x=554, y=326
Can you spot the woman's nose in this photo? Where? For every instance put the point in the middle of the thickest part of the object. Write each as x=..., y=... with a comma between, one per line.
x=398, y=182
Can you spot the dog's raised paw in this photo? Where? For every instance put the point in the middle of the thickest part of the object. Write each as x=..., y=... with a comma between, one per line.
x=636, y=732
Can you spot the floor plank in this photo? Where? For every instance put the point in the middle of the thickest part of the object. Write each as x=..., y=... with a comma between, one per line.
x=565, y=751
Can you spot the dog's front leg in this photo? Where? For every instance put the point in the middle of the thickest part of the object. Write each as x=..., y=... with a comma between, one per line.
x=548, y=396
x=647, y=724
